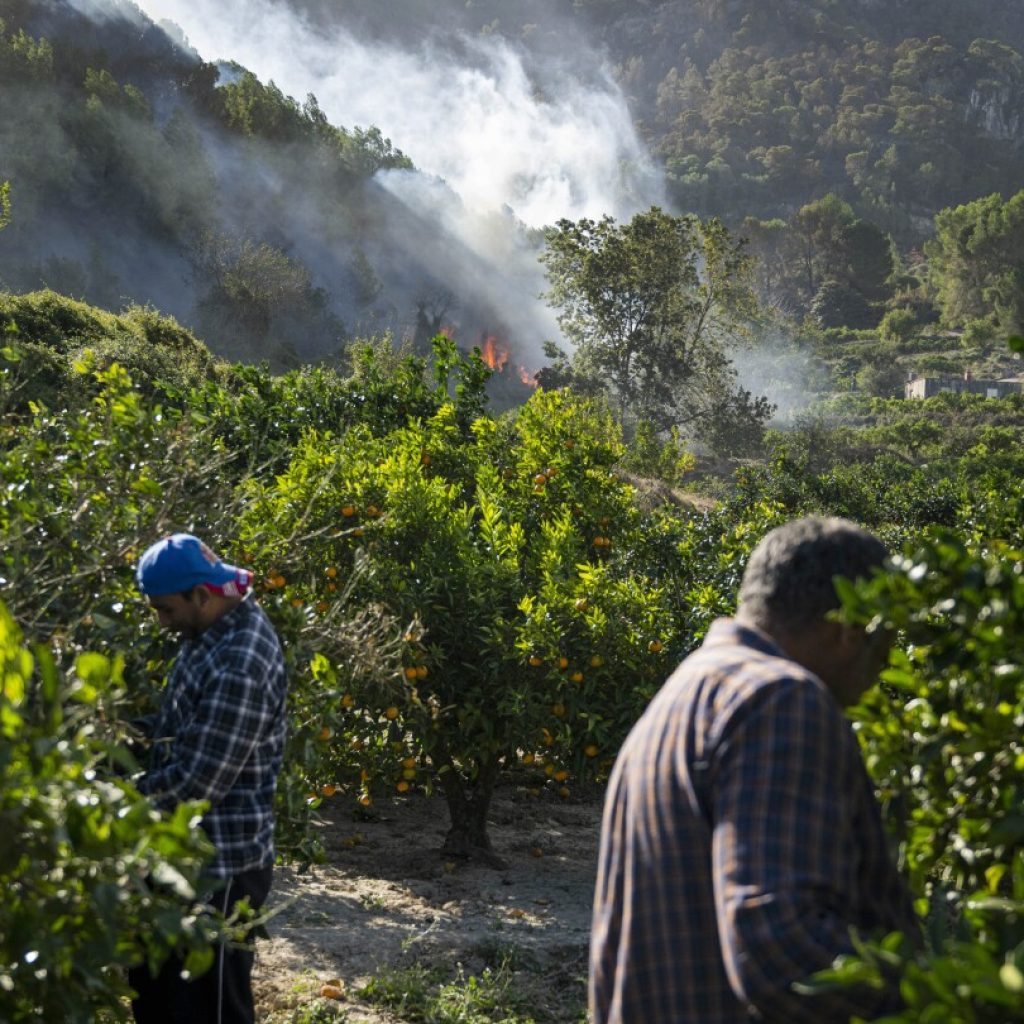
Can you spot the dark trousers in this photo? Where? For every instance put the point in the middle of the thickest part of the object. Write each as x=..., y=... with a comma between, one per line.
x=223, y=995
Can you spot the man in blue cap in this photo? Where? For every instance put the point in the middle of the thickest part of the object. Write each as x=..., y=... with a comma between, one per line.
x=219, y=737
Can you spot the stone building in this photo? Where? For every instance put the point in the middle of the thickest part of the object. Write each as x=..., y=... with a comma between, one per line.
x=926, y=387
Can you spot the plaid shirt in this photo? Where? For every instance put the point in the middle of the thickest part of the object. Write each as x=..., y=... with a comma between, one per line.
x=741, y=841
x=219, y=736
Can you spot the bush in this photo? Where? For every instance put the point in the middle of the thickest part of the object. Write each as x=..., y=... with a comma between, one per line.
x=897, y=326
x=943, y=741
x=79, y=846
x=497, y=544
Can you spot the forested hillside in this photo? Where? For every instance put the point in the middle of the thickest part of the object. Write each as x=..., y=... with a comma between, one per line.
x=901, y=108
x=828, y=134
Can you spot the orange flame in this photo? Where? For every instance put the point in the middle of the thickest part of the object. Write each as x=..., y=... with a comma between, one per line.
x=493, y=353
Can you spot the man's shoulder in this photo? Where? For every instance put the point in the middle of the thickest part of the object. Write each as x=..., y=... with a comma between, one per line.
x=248, y=633
x=732, y=676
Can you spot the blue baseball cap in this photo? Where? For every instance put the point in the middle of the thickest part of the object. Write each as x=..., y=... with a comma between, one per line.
x=180, y=562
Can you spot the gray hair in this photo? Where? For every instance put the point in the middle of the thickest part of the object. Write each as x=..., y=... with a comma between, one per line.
x=789, y=578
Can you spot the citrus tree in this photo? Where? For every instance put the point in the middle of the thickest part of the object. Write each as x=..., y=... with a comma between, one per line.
x=496, y=544
x=942, y=738
x=94, y=880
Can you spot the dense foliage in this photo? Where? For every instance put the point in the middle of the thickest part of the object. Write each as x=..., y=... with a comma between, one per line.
x=651, y=308
x=82, y=141
x=94, y=880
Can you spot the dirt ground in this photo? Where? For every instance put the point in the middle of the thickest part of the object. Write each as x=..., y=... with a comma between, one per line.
x=386, y=898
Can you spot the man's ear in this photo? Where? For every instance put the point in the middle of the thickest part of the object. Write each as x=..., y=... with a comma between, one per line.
x=202, y=595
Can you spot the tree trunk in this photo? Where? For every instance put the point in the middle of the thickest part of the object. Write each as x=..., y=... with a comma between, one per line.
x=469, y=800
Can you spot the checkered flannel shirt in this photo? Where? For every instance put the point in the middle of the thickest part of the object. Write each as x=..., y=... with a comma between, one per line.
x=741, y=841
x=219, y=736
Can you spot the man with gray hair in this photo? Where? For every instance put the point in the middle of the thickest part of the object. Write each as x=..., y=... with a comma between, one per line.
x=742, y=841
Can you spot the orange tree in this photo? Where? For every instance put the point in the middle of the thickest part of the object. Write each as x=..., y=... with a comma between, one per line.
x=942, y=738
x=93, y=879
x=497, y=544
x=86, y=488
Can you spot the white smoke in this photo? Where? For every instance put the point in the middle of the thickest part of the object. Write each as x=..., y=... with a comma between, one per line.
x=482, y=127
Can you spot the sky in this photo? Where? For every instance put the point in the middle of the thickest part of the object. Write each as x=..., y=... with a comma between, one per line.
x=481, y=127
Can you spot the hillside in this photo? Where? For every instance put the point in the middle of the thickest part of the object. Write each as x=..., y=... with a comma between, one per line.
x=827, y=135
x=755, y=108
x=139, y=173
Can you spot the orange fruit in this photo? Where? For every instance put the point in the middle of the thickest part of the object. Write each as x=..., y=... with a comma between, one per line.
x=425, y=458
x=402, y=786
x=348, y=510
x=536, y=851
x=330, y=991
x=590, y=750
x=598, y=542
x=528, y=758
x=409, y=773
x=549, y=770
x=297, y=602
x=421, y=671
x=410, y=671
x=563, y=792
x=535, y=661
x=357, y=531
x=408, y=762
x=563, y=662
x=331, y=572
x=332, y=587
x=550, y=472
x=596, y=661
x=581, y=604
x=329, y=790
x=324, y=734
x=366, y=800
x=570, y=443
x=347, y=700
x=372, y=511
x=576, y=677
x=561, y=775
x=391, y=713
x=540, y=480
x=655, y=646
x=558, y=710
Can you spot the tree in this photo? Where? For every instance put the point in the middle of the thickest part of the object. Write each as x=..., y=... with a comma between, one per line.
x=498, y=543
x=976, y=260
x=650, y=307
x=821, y=225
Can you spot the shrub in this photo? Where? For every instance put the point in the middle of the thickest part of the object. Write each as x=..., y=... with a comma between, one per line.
x=498, y=544
x=78, y=848
x=897, y=326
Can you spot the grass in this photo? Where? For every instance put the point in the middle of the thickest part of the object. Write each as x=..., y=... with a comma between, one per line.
x=420, y=995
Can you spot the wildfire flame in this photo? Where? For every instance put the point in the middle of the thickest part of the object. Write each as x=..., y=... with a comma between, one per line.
x=493, y=353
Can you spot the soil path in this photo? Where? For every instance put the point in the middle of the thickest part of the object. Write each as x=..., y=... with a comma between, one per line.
x=387, y=899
